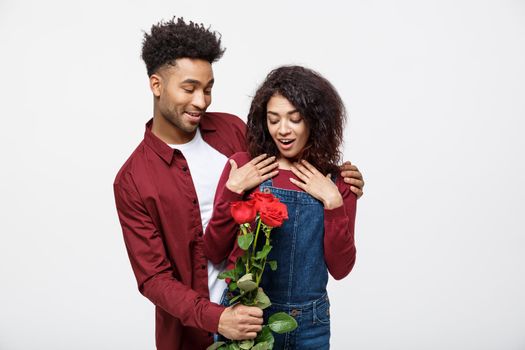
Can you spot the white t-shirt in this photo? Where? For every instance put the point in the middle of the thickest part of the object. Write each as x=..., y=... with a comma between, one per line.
x=206, y=165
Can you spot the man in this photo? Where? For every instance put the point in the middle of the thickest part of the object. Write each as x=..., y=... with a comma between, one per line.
x=164, y=192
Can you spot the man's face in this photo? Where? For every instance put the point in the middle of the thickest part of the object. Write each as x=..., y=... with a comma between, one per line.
x=184, y=93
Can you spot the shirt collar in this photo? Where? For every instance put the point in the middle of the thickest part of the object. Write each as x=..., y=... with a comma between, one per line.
x=206, y=123
x=162, y=149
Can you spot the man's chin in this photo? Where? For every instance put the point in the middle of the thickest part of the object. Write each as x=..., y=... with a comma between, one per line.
x=185, y=125
x=190, y=128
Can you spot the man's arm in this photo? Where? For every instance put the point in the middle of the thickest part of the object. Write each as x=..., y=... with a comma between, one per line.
x=156, y=278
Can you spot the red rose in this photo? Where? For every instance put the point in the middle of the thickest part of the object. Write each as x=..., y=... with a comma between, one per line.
x=273, y=214
x=243, y=211
x=261, y=199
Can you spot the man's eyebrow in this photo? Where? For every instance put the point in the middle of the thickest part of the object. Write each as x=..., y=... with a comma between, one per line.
x=191, y=81
x=196, y=82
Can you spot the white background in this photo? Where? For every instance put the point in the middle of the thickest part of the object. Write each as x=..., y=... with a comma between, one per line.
x=436, y=97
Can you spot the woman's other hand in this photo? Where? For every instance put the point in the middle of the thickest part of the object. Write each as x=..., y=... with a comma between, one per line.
x=316, y=184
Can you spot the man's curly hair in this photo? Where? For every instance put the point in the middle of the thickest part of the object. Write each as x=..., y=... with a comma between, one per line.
x=175, y=39
x=319, y=104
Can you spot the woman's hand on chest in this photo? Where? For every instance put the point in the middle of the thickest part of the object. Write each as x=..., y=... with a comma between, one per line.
x=316, y=184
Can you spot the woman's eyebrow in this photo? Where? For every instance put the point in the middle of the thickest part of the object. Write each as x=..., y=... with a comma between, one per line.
x=277, y=114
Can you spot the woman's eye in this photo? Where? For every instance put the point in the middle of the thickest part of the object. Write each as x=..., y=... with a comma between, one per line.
x=296, y=121
x=188, y=90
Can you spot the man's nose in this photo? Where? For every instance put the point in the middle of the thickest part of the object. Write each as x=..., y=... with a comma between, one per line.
x=199, y=100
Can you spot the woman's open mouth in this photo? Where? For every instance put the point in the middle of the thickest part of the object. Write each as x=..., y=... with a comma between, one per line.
x=286, y=144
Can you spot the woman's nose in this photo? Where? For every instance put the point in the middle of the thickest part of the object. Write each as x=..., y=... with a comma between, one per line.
x=284, y=128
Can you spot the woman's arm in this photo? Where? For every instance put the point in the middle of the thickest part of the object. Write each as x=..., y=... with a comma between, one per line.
x=339, y=216
x=219, y=237
x=339, y=244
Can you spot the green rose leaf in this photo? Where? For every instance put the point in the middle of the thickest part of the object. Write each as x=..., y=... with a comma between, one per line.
x=227, y=274
x=247, y=286
x=240, y=267
x=234, y=299
x=233, y=346
x=265, y=336
x=216, y=345
x=247, y=277
x=281, y=323
x=246, y=344
x=232, y=286
x=246, y=283
x=273, y=264
x=264, y=252
x=262, y=346
x=257, y=264
x=262, y=300
x=245, y=241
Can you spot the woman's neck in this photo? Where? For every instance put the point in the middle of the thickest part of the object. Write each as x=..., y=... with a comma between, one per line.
x=284, y=163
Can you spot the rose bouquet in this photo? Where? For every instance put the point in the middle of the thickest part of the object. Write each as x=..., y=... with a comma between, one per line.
x=265, y=212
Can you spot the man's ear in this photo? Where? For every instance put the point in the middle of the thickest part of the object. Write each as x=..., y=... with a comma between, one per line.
x=155, y=84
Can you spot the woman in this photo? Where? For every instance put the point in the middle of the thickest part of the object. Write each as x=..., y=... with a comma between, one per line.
x=297, y=117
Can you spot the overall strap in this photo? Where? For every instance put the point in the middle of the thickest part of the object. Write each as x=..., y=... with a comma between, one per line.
x=267, y=183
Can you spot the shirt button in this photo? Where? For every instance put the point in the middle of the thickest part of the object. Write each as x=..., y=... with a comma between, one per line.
x=184, y=168
x=203, y=266
x=194, y=201
x=200, y=233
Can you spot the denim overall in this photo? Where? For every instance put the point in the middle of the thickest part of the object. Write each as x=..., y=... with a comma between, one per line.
x=298, y=286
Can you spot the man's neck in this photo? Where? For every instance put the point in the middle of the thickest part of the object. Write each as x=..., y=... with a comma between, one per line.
x=169, y=133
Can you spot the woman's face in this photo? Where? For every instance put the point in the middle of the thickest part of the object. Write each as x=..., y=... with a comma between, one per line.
x=286, y=126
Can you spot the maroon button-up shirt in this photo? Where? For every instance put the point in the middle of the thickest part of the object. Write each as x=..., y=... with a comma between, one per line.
x=159, y=214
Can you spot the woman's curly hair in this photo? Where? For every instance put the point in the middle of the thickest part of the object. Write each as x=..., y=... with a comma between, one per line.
x=318, y=103
x=177, y=39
